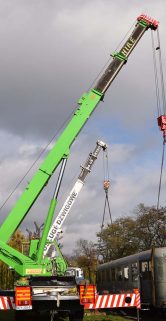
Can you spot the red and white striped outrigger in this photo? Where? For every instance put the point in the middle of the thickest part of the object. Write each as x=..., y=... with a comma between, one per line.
x=114, y=301
x=7, y=303
x=91, y=300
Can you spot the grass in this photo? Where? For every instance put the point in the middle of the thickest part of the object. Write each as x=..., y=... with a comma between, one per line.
x=9, y=316
x=103, y=317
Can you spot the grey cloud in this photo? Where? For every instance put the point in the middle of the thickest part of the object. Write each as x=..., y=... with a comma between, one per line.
x=49, y=56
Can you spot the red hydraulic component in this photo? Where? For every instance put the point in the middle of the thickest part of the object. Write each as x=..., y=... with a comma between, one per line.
x=162, y=124
x=149, y=20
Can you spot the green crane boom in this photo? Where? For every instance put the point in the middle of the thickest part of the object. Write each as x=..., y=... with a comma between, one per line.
x=25, y=265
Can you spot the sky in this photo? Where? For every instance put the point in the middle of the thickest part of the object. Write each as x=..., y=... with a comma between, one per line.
x=51, y=53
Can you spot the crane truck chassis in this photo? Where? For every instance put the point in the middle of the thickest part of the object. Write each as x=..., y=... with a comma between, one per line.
x=42, y=283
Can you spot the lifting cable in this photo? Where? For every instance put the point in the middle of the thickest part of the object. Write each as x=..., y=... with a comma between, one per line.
x=160, y=97
x=106, y=186
x=160, y=180
x=161, y=73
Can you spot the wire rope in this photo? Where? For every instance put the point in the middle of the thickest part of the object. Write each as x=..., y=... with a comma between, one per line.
x=161, y=74
x=156, y=77
x=109, y=209
x=102, y=225
x=106, y=187
x=104, y=170
x=107, y=166
x=161, y=173
x=160, y=96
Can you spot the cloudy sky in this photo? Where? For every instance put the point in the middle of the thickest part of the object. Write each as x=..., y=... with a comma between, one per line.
x=51, y=52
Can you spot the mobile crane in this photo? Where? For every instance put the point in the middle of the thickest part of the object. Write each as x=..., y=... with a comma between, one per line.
x=42, y=273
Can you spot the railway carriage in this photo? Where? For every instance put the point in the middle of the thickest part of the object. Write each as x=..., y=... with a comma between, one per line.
x=145, y=271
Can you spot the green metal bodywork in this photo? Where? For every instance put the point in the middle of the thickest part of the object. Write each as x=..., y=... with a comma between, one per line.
x=35, y=264
x=42, y=242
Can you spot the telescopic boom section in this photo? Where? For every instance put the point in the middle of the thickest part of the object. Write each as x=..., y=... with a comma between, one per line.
x=120, y=58
x=87, y=105
x=85, y=170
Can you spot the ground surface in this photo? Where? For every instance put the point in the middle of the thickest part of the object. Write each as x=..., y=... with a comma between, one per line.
x=9, y=316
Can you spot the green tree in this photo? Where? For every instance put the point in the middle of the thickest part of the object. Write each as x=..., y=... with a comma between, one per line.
x=151, y=226
x=6, y=275
x=36, y=234
x=117, y=240
x=86, y=258
x=132, y=234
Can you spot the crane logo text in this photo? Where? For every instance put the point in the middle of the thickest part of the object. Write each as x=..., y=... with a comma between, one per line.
x=128, y=46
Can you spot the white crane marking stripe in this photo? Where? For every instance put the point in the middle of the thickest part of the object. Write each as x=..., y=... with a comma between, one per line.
x=98, y=301
x=115, y=300
x=121, y=300
x=104, y=301
x=110, y=301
